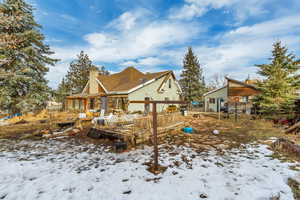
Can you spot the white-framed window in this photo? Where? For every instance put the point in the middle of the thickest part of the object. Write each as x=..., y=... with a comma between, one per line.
x=245, y=99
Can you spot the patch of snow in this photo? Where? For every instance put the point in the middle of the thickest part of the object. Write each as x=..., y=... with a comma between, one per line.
x=56, y=169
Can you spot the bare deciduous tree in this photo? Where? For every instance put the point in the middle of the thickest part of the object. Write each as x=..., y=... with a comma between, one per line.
x=217, y=80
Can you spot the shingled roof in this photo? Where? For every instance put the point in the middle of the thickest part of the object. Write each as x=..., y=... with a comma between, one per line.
x=127, y=79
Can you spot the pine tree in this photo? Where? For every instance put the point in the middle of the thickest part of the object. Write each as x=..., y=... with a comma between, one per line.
x=23, y=57
x=103, y=71
x=62, y=91
x=78, y=74
x=192, y=80
x=280, y=83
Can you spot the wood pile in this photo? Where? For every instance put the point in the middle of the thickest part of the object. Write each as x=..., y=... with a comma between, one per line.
x=294, y=129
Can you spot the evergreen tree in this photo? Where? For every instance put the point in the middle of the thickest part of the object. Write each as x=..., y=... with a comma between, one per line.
x=78, y=74
x=280, y=83
x=103, y=71
x=62, y=91
x=23, y=57
x=192, y=80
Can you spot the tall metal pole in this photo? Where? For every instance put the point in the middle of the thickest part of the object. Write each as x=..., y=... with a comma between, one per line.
x=154, y=114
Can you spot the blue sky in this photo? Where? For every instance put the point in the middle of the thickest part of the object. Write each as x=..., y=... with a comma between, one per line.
x=228, y=36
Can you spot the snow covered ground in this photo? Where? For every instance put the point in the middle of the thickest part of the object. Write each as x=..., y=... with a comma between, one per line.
x=32, y=170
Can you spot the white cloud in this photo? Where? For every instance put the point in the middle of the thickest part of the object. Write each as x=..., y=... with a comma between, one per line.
x=197, y=8
x=144, y=45
x=56, y=73
x=151, y=61
x=148, y=61
x=240, y=49
x=129, y=63
x=144, y=41
x=125, y=22
x=130, y=19
x=99, y=39
x=273, y=28
x=134, y=40
x=68, y=17
x=66, y=53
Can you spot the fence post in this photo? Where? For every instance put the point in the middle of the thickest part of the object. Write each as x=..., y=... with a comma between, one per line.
x=235, y=111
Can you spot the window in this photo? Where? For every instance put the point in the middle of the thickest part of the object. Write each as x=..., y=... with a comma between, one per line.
x=170, y=83
x=80, y=104
x=212, y=100
x=92, y=104
x=73, y=103
x=245, y=99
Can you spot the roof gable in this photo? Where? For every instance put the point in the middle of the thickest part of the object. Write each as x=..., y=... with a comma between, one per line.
x=241, y=83
x=214, y=90
x=127, y=80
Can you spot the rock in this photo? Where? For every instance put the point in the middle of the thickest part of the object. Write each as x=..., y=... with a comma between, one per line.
x=203, y=196
x=127, y=192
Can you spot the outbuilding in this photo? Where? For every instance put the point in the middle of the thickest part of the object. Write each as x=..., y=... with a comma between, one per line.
x=234, y=91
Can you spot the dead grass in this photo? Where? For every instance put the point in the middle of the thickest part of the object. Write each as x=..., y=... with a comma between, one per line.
x=285, y=157
x=16, y=131
x=295, y=186
x=31, y=123
x=243, y=131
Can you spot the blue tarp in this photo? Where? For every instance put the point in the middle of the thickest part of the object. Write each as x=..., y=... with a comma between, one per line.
x=11, y=116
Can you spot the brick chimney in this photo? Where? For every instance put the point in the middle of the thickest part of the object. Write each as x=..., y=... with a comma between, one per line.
x=93, y=89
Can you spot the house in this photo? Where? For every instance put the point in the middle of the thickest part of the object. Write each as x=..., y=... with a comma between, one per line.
x=233, y=91
x=113, y=92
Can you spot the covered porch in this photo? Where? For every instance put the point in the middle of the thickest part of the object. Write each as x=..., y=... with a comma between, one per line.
x=97, y=102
